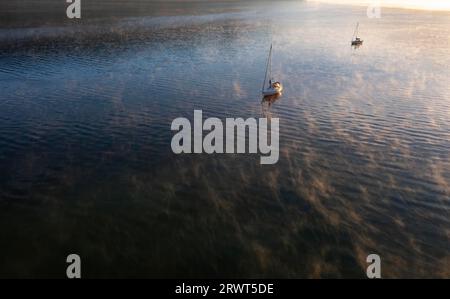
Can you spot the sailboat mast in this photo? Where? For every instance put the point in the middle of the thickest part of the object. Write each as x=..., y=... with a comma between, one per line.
x=356, y=30
x=269, y=62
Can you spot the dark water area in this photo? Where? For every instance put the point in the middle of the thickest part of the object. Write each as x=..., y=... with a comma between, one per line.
x=29, y=13
x=87, y=168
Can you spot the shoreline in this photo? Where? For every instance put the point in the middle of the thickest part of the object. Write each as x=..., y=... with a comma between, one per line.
x=383, y=6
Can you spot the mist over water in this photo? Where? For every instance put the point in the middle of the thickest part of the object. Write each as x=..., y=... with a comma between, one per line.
x=87, y=167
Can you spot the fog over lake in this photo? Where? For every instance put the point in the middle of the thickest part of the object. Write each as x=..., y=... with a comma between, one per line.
x=87, y=167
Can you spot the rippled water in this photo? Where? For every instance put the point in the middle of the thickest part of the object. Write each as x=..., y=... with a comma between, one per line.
x=87, y=168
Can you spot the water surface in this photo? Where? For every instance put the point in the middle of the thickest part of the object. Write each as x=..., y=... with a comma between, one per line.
x=87, y=168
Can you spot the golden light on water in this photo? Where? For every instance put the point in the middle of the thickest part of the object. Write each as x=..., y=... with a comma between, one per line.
x=415, y=4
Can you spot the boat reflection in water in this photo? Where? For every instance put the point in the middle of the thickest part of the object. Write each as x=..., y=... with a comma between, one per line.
x=267, y=102
x=356, y=46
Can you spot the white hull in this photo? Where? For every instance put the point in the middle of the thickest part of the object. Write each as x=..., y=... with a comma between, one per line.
x=272, y=91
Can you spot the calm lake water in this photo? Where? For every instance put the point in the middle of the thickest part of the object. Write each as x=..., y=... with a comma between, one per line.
x=87, y=168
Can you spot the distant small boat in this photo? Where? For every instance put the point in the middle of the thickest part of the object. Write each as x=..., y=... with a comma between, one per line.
x=356, y=41
x=274, y=87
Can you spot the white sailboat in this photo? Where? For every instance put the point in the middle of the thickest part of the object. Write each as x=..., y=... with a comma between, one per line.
x=274, y=87
x=356, y=41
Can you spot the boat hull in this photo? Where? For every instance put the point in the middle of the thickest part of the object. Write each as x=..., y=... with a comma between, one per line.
x=272, y=91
